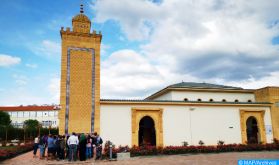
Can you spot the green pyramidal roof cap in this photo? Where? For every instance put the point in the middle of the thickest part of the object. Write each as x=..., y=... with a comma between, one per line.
x=201, y=85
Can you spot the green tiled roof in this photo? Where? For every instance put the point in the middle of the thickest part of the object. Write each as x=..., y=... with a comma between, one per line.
x=201, y=85
x=198, y=86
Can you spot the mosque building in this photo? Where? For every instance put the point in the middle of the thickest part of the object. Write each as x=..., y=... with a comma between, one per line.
x=185, y=111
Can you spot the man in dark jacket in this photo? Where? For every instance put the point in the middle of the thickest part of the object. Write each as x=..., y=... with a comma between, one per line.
x=61, y=147
x=99, y=142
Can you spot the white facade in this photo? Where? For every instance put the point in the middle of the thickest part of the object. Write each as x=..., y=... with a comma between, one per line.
x=47, y=115
x=46, y=118
x=180, y=123
x=206, y=96
x=115, y=124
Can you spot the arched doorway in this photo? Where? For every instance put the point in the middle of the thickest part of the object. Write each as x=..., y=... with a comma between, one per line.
x=147, y=132
x=252, y=130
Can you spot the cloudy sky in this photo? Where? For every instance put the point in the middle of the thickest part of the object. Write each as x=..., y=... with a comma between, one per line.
x=147, y=45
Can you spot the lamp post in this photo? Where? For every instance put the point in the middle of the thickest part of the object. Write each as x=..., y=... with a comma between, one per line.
x=24, y=133
x=39, y=128
x=49, y=126
x=6, y=134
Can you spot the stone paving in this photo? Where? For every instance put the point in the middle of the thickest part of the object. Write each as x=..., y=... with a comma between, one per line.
x=198, y=159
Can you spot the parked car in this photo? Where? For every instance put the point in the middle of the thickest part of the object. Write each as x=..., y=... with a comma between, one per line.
x=15, y=140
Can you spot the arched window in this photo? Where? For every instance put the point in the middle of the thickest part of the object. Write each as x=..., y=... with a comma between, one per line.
x=236, y=101
x=224, y=100
x=211, y=100
x=249, y=101
x=186, y=99
x=199, y=100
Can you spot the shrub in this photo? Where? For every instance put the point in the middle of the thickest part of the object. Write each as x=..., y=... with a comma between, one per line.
x=220, y=142
x=276, y=141
x=184, y=143
x=201, y=142
x=171, y=150
x=143, y=150
x=12, y=151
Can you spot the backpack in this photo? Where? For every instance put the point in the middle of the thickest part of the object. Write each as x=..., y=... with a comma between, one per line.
x=41, y=142
x=100, y=141
x=62, y=144
x=57, y=143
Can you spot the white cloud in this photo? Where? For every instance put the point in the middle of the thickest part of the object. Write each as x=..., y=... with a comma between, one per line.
x=54, y=89
x=20, y=80
x=124, y=72
x=47, y=48
x=27, y=91
x=104, y=49
x=21, y=96
x=132, y=15
x=203, y=40
x=33, y=66
x=252, y=83
x=127, y=74
x=7, y=60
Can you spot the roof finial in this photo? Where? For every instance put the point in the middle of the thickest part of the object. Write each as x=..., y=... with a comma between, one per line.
x=81, y=8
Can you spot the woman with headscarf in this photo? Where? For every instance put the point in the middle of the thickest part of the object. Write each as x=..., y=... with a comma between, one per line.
x=82, y=147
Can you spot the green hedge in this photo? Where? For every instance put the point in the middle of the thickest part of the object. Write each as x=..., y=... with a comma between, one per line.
x=18, y=133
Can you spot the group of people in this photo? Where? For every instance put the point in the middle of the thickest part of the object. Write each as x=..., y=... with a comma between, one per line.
x=71, y=147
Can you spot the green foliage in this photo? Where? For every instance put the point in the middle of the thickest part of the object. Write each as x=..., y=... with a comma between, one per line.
x=201, y=143
x=184, y=143
x=220, y=142
x=31, y=124
x=5, y=119
x=18, y=133
x=172, y=150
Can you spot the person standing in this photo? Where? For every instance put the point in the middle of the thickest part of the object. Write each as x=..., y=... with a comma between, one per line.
x=82, y=147
x=50, y=147
x=99, y=142
x=89, y=147
x=56, y=144
x=62, y=148
x=36, y=145
x=42, y=146
x=73, y=142
x=45, y=137
x=67, y=146
x=93, y=139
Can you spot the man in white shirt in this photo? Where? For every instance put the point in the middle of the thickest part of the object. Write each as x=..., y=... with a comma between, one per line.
x=72, y=143
x=36, y=145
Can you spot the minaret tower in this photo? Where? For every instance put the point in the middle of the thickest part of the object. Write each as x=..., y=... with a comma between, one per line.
x=80, y=77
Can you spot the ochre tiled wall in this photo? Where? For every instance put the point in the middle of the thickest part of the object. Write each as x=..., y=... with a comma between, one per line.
x=80, y=81
x=271, y=94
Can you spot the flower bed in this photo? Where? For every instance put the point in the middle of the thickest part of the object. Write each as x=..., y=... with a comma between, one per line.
x=12, y=151
x=219, y=148
x=172, y=150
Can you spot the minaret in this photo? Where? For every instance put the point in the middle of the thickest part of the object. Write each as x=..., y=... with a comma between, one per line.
x=80, y=77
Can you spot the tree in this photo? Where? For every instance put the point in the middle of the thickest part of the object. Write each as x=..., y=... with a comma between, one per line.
x=5, y=119
x=31, y=124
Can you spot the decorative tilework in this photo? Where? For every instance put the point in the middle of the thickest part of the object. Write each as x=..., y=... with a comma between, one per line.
x=68, y=86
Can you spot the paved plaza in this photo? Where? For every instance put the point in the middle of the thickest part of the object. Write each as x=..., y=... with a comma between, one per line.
x=198, y=159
